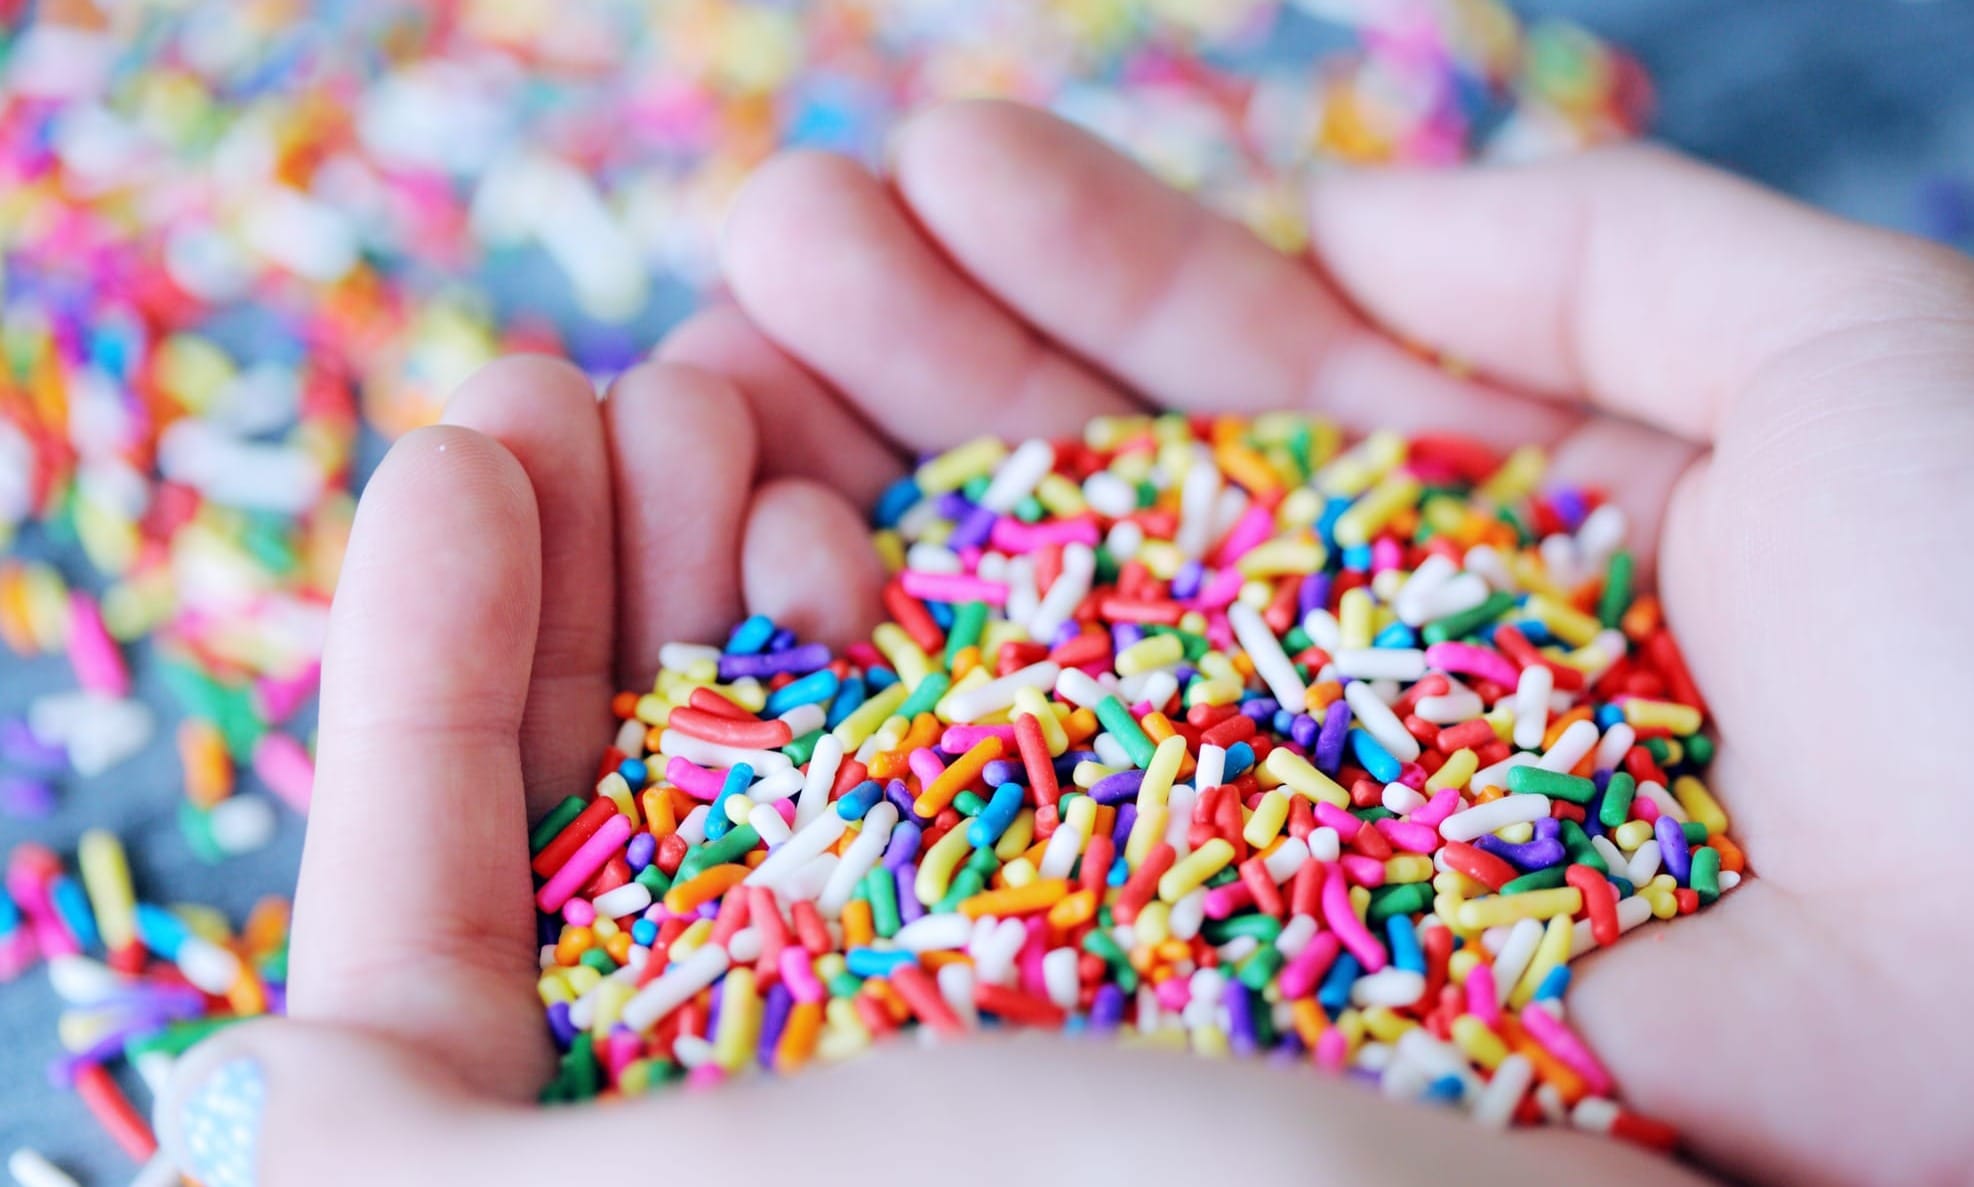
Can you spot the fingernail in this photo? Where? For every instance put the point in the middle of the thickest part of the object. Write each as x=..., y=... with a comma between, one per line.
x=219, y=1125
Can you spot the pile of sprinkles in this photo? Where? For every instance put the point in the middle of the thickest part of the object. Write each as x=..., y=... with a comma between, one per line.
x=1211, y=733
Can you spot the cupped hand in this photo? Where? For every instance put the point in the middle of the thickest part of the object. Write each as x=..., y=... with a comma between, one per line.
x=1780, y=401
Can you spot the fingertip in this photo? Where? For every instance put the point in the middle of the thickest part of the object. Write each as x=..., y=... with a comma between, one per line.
x=781, y=207
x=515, y=382
x=807, y=563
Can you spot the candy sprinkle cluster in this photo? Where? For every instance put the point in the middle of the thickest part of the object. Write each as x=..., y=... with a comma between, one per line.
x=1210, y=732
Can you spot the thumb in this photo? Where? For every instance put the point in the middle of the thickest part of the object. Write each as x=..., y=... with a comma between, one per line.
x=279, y=1102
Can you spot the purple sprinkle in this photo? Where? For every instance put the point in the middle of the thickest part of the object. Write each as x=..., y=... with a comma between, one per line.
x=559, y=1024
x=1065, y=763
x=1538, y=854
x=713, y=1016
x=954, y=506
x=18, y=745
x=973, y=530
x=1329, y=741
x=1124, y=634
x=774, y=1016
x=1186, y=582
x=1240, y=1016
x=1303, y=730
x=30, y=799
x=796, y=661
x=1313, y=595
x=1184, y=673
x=1003, y=770
x=1127, y=817
x=1260, y=708
x=709, y=910
x=1064, y=633
x=1107, y=1011
x=900, y=797
x=1568, y=504
x=909, y=908
x=277, y=1000
x=904, y=844
x=1115, y=789
x=1678, y=859
x=640, y=851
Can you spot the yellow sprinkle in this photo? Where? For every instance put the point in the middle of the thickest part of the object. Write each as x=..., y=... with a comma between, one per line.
x=1153, y=651
x=1565, y=621
x=954, y=468
x=1700, y=804
x=1161, y=771
x=862, y=723
x=1455, y=771
x=1553, y=951
x=1285, y=556
x=1669, y=715
x=1508, y=908
x=1355, y=610
x=1015, y=841
x=1479, y=1043
x=1266, y=822
x=1370, y=513
x=1192, y=870
x=1296, y=772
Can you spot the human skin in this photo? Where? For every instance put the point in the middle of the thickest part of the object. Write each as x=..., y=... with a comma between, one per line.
x=1782, y=402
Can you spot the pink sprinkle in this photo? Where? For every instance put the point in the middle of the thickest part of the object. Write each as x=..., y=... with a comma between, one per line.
x=1338, y=819
x=1219, y=591
x=1253, y=529
x=1385, y=554
x=1410, y=835
x=959, y=739
x=284, y=765
x=1435, y=810
x=1013, y=536
x=1350, y=929
x=695, y=780
x=1174, y=992
x=579, y=912
x=952, y=587
x=926, y=765
x=1481, y=1001
x=584, y=864
x=1331, y=1050
x=98, y=665
x=1468, y=660
x=1301, y=974
x=1547, y=1029
x=1367, y=872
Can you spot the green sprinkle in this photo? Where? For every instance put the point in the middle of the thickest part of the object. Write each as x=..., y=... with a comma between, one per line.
x=1704, y=877
x=1407, y=898
x=177, y=1038
x=1262, y=927
x=1118, y=722
x=1455, y=626
x=882, y=889
x=802, y=749
x=599, y=960
x=969, y=803
x=1699, y=750
x=968, y=619
x=1548, y=879
x=926, y=695
x=1554, y=784
x=1696, y=833
x=1617, y=800
x=557, y=819
x=725, y=851
x=1260, y=967
x=653, y=879
x=845, y=984
x=1577, y=844
x=1616, y=598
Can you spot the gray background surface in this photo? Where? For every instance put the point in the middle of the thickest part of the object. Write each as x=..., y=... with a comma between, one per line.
x=1858, y=105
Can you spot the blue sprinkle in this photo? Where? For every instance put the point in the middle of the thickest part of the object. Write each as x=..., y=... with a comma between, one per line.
x=894, y=502
x=751, y=636
x=1405, y=950
x=1555, y=984
x=813, y=689
x=877, y=962
x=71, y=905
x=1335, y=991
x=1374, y=758
x=1396, y=635
x=644, y=933
x=860, y=800
x=1240, y=757
x=846, y=702
x=634, y=771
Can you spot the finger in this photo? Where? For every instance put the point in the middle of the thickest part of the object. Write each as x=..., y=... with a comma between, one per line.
x=545, y=412
x=805, y=430
x=1176, y=302
x=809, y=565
x=275, y=1103
x=1653, y=285
x=682, y=449
x=822, y=258
x=413, y=913
x=1296, y=1126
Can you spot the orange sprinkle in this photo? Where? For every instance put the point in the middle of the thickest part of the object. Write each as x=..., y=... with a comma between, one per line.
x=957, y=777
x=858, y=929
x=1038, y=895
x=703, y=887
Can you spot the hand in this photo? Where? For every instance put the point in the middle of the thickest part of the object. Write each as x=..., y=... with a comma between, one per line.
x=1777, y=399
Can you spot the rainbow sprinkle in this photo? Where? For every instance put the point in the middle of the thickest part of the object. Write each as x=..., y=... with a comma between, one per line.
x=1217, y=733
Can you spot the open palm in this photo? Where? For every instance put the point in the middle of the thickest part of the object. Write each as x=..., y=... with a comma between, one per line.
x=1778, y=400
